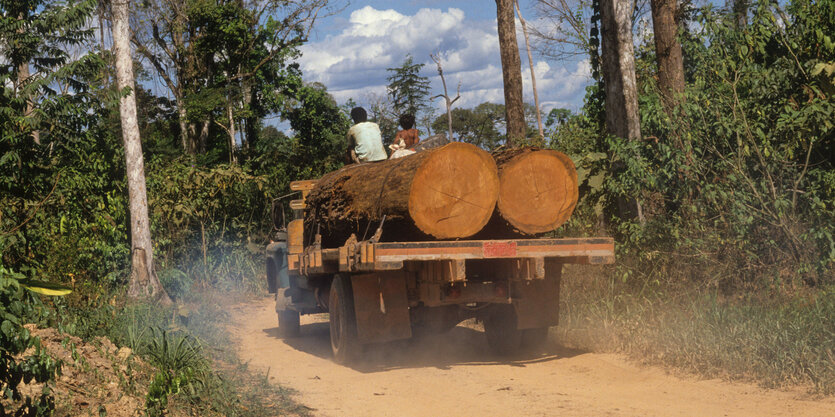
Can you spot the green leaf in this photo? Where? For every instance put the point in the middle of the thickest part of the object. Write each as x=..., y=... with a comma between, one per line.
x=596, y=181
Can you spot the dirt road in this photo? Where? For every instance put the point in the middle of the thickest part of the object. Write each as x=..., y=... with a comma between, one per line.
x=456, y=375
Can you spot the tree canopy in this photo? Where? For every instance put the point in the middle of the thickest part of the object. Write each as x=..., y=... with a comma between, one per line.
x=407, y=88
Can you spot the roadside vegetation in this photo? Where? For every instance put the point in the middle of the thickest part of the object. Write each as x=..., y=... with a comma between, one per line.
x=729, y=267
x=722, y=213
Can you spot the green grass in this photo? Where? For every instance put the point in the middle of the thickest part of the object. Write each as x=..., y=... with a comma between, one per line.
x=767, y=336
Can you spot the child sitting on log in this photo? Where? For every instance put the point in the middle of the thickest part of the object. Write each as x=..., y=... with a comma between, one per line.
x=406, y=138
x=365, y=142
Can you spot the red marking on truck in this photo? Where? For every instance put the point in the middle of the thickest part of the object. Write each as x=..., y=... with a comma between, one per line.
x=498, y=249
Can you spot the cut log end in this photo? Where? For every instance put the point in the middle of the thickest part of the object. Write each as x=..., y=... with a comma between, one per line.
x=454, y=192
x=537, y=191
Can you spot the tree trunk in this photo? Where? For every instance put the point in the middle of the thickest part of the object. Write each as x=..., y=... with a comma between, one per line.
x=231, y=119
x=203, y=139
x=511, y=72
x=448, y=192
x=143, y=278
x=533, y=74
x=22, y=78
x=537, y=191
x=667, y=50
x=740, y=11
x=622, y=117
x=192, y=142
x=250, y=123
x=183, y=120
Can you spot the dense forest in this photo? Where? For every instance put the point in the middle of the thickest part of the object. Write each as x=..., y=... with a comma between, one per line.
x=705, y=145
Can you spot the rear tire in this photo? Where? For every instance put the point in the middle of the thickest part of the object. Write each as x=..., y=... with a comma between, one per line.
x=500, y=327
x=288, y=324
x=343, y=324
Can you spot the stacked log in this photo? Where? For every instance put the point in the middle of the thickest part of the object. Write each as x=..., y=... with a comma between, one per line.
x=537, y=192
x=443, y=193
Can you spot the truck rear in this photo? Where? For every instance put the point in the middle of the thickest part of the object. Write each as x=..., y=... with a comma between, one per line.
x=377, y=292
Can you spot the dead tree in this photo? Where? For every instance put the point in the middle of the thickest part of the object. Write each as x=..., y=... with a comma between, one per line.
x=445, y=95
x=533, y=75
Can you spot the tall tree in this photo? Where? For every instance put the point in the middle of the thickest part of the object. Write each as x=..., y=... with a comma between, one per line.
x=44, y=95
x=407, y=88
x=143, y=278
x=319, y=126
x=479, y=126
x=511, y=71
x=622, y=117
x=533, y=73
x=165, y=40
x=35, y=39
x=668, y=49
x=192, y=44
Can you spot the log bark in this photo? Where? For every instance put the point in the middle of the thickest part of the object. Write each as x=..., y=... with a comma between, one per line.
x=537, y=191
x=443, y=193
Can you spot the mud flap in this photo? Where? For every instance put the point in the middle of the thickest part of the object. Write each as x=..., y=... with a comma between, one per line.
x=381, y=306
x=537, y=302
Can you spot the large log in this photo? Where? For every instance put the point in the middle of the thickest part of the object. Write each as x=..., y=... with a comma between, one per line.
x=537, y=190
x=446, y=193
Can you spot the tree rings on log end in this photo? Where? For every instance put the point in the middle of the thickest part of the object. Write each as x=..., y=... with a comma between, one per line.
x=537, y=190
x=454, y=191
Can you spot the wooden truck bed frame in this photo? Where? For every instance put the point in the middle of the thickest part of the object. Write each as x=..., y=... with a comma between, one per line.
x=369, y=256
x=399, y=286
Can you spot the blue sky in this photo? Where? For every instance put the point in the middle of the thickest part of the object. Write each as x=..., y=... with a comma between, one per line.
x=350, y=51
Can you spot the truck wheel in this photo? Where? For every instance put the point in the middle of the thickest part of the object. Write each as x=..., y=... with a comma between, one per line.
x=343, y=324
x=500, y=326
x=534, y=338
x=288, y=324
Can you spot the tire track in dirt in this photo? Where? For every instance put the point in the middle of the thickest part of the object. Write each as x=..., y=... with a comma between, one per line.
x=456, y=375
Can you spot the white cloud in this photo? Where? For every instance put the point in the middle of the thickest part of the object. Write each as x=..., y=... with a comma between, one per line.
x=352, y=61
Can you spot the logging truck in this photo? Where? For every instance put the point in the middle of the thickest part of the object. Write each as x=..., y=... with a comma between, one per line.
x=417, y=245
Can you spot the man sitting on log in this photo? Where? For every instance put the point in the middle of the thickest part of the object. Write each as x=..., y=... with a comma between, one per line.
x=365, y=142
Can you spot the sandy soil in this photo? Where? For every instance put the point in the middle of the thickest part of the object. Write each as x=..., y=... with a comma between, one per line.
x=456, y=375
